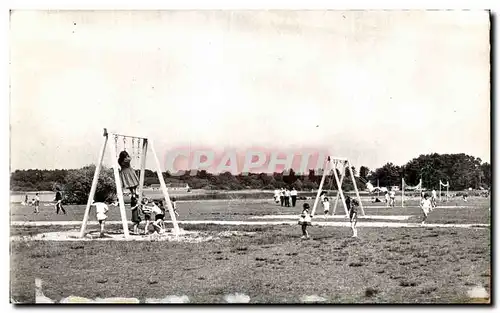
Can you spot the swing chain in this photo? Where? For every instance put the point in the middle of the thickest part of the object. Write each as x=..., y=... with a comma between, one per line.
x=116, y=145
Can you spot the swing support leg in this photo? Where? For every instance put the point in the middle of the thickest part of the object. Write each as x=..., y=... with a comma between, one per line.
x=165, y=191
x=143, y=167
x=326, y=168
x=119, y=191
x=339, y=190
x=355, y=188
x=94, y=185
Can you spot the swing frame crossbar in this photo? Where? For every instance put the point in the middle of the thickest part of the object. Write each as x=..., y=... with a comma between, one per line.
x=331, y=164
x=119, y=190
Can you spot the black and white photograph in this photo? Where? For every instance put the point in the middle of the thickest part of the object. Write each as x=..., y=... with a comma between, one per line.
x=250, y=156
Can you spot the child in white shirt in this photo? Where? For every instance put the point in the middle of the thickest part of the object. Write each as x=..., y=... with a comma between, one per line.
x=392, y=196
x=101, y=209
x=37, y=203
x=326, y=206
x=305, y=220
x=425, y=205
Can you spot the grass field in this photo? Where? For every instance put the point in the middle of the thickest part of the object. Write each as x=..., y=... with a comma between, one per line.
x=269, y=264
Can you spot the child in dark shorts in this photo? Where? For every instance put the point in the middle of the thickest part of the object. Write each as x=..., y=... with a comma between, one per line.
x=352, y=206
x=305, y=220
x=136, y=219
x=147, y=214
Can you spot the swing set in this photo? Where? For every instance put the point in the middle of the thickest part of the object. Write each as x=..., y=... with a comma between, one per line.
x=342, y=165
x=139, y=151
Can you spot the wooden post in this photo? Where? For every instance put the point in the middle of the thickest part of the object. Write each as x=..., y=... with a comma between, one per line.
x=119, y=190
x=341, y=193
x=326, y=168
x=94, y=185
x=165, y=191
x=356, y=189
x=143, y=168
x=339, y=189
x=402, y=192
x=447, y=190
x=440, y=200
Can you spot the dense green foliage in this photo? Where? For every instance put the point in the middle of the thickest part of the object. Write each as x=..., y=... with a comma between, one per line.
x=463, y=171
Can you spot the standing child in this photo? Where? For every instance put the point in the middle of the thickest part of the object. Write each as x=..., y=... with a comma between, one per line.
x=147, y=214
x=37, y=203
x=392, y=197
x=101, y=209
x=158, y=220
x=386, y=195
x=136, y=219
x=326, y=206
x=425, y=205
x=305, y=220
x=174, y=206
x=352, y=206
x=434, y=199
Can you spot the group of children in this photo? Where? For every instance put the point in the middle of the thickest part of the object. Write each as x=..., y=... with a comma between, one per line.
x=306, y=216
x=153, y=211
x=287, y=197
x=34, y=202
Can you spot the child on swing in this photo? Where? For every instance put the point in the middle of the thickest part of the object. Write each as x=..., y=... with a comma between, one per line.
x=305, y=220
x=127, y=174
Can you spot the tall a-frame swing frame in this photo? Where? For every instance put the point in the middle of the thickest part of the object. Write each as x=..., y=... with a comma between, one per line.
x=119, y=191
x=331, y=164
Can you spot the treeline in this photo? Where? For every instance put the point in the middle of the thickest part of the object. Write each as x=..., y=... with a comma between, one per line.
x=461, y=170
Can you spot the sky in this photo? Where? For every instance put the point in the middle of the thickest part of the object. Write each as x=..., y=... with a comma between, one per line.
x=370, y=86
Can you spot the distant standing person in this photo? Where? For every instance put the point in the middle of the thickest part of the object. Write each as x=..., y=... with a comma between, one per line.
x=392, y=196
x=434, y=199
x=37, y=203
x=352, y=206
x=287, y=197
x=58, y=201
x=25, y=200
x=293, y=194
x=386, y=199
x=282, y=196
x=276, y=196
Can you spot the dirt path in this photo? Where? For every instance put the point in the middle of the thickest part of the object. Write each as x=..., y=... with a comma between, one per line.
x=315, y=223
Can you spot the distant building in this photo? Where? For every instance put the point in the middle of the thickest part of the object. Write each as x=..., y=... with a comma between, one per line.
x=395, y=188
x=172, y=186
